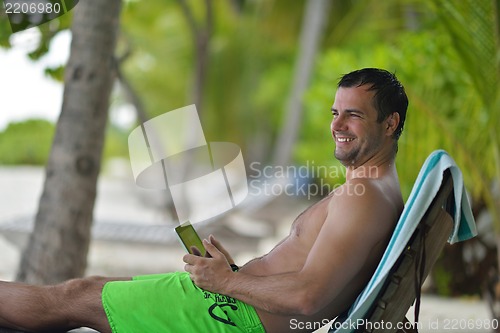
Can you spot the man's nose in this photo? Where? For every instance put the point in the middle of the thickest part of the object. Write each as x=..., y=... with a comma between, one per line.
x=338, y=123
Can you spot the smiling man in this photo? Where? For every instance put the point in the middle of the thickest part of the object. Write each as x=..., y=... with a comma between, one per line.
x=334, y=246
x=311, y=276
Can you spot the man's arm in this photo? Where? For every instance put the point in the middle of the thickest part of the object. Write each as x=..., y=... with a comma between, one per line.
x=354, y=225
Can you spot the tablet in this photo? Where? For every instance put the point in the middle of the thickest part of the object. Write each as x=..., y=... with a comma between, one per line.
x=188, y=237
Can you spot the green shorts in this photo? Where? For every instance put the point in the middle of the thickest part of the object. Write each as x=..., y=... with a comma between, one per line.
x=173, y=303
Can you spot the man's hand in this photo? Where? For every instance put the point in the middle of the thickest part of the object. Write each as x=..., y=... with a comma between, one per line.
x=212, y=271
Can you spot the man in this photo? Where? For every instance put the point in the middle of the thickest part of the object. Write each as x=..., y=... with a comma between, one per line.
x=310, y=277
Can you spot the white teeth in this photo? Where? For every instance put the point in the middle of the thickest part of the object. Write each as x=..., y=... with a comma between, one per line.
x=344, y=139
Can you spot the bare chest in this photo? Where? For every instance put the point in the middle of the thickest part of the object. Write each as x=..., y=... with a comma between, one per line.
x=308, y=224
x=291, y=254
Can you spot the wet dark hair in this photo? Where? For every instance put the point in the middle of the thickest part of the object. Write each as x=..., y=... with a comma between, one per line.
x=390, y=94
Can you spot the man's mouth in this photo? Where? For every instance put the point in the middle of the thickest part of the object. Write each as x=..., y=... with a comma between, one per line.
x=344, y=139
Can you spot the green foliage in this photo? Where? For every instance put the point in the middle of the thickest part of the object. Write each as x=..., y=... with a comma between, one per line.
x=441, y=281
x=57, y=73
x=474, y=29
x=116, y=143
x=446, y=109
x=47, y=32
x=160, y=62
x=5, y=29
x=26, y=142
x=251, y=49
x=29, y=142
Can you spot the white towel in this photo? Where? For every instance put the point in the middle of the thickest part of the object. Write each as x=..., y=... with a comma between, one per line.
x=425, y=189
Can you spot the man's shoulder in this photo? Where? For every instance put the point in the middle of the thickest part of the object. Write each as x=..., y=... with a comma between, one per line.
x=360, y=189
x=365, y=199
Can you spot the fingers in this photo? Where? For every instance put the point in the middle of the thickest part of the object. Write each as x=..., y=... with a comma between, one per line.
x=188, y=267
x=195, y=251
x=212, y=249
x=194, y=264
x=217, y=244
x=214, y=241
x=190, y=259
x=221, y=248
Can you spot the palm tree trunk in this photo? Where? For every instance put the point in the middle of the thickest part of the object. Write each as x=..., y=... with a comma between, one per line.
x=58, y=246
x=312, y=31
x=201, y=33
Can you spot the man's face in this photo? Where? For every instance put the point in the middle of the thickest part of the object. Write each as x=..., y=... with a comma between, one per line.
x=357, y=134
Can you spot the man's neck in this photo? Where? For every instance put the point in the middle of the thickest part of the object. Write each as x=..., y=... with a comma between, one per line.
x=375, y=167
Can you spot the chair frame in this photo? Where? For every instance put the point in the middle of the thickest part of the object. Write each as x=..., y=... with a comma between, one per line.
x=404, y=282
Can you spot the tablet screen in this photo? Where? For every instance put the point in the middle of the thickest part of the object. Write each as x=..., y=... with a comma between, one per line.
x=189, y=238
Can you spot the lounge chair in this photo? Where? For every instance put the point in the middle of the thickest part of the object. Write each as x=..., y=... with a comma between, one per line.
x=436, y=211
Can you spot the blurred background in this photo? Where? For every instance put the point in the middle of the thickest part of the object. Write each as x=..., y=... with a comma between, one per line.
x=263, y=75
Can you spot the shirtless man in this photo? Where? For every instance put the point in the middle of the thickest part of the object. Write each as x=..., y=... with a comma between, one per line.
x=312, y=276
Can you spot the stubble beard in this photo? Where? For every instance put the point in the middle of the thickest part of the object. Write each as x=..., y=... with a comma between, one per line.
x=359, y=153
x=347, y=158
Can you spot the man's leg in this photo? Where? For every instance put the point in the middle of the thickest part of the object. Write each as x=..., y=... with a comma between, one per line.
x=65, y=306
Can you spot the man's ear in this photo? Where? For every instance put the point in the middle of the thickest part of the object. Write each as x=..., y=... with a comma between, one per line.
x=392, y=123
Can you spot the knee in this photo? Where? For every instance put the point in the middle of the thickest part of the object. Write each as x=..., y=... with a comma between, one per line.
x=81, y=288
x=81, y=300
